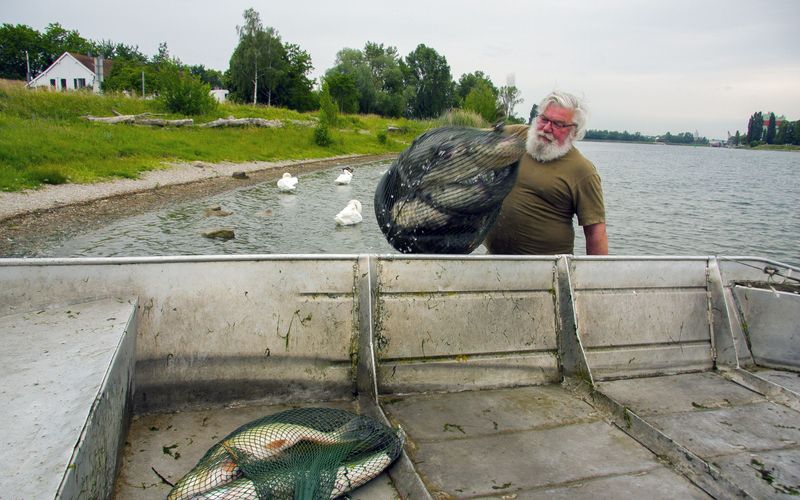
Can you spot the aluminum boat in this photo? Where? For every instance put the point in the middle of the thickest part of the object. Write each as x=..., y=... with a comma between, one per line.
x=511, y=377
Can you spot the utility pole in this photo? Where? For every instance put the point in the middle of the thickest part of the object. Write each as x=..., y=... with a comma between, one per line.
x=28, y=65
x=142, y=84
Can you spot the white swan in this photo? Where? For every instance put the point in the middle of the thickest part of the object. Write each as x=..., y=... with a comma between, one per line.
x=351, y=214
x=345, y=177
x=287, y=183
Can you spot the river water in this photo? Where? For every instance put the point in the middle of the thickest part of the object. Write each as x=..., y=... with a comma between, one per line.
x=660, y=200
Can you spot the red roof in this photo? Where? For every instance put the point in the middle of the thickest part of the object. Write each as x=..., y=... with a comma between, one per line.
x=88, y=61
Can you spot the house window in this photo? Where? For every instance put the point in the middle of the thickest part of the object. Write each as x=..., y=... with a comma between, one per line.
x=80, y=83
x=63, y=84
x=52, y=82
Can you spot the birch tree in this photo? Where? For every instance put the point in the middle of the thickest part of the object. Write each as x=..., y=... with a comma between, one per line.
x=248, y=42
x=509, y=98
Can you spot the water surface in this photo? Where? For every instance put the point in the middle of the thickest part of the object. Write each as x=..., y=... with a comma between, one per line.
x=660, y=200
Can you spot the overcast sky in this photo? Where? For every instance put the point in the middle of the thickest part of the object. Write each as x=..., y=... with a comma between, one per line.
x=642, y=65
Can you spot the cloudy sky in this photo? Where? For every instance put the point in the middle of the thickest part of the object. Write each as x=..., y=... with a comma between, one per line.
x=642, y=65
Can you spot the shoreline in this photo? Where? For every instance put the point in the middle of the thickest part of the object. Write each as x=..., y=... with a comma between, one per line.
x=30, y=220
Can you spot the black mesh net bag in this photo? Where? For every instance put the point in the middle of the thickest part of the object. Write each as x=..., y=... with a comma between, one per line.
x=305, y=453
x=444, y=192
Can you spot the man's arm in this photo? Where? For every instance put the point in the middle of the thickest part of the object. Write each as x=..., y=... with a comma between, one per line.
x=596, y=239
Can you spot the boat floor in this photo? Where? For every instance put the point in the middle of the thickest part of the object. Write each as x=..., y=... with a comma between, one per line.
x=170, y=444
x=529, y=442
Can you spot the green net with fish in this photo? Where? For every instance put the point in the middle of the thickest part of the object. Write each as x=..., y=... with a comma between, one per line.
x=444, y=192
x=304, y=453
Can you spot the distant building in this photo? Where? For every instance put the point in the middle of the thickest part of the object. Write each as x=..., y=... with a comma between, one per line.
x=74, y=72
x=221, y=95
x=778, y=120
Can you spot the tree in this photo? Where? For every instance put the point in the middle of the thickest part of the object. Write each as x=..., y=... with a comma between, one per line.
x=274, y=61
x=468, y=81
x=118, y=51
x=737, y=139
x=780, y=137
x=606, y=135
x=126, y=75
x=387, y=79
x=328, y=117
x=257, y=69
x=342, y=89
x=377, y=76
x=162, y=70
x=162, y=56
x=15, y=42
x=533, y=114
x=755, y=128
x=352, y=65
x=56, y=40
x=429, y=84
x=295, y=90
x=483, y=101
x=132, y=67
x=770, y=137
x=509, y=98
x=264, y=69
x=259, y=63
x=248, y=46
x=210, y=76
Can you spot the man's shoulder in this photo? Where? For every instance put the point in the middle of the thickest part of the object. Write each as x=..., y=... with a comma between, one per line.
x=518, y=129
x=576, y=158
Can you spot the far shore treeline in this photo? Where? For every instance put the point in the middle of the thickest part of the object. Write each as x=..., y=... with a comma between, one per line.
x=265, y=69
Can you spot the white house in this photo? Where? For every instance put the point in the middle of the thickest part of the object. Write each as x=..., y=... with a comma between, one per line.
x=221, y=95
x=72, y=72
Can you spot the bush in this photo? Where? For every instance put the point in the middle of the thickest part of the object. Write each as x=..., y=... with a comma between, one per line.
x=483, y=101
x=461, y=118
x=382, y=138
x=328, y=114
x=44, y=175
x=185, y=94
x=322, y=135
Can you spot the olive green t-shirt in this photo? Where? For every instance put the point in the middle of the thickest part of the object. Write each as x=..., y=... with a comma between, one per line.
x=536, y=217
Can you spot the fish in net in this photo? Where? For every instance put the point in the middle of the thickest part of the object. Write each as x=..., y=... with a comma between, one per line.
x=304, y=453
x=444, y=192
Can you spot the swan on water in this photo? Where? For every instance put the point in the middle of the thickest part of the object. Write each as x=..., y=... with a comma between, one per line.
x=345, y=177
x=287, y=183
x=351, y=214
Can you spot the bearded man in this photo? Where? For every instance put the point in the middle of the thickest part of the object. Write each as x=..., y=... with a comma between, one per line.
x=555, y=182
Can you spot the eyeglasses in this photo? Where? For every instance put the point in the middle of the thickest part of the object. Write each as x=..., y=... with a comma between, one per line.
x=556, y=125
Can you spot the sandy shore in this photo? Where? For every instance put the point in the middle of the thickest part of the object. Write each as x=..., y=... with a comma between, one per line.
x=32, y=219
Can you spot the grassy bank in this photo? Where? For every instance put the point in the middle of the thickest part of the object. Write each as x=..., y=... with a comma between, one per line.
x=778, y=147
x=45, y=140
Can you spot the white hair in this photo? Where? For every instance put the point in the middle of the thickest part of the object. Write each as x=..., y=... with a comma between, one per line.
x=568, y=101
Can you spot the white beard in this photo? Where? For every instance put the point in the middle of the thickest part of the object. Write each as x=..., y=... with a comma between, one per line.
x=545, y=151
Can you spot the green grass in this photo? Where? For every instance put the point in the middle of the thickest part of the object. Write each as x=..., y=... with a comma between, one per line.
x=45, y=140
x=462, y=118
x=778, y=147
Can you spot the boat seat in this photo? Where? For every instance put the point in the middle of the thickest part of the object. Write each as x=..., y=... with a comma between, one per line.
x=67, y=391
